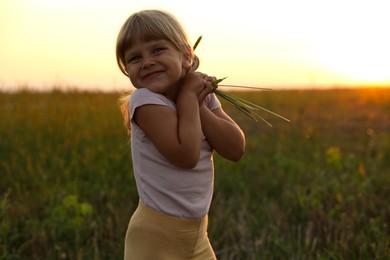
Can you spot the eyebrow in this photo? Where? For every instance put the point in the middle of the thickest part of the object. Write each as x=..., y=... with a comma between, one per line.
x=151, y=44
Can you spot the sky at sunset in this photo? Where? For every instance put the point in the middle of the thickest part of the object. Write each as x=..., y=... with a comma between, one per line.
x=302, y=43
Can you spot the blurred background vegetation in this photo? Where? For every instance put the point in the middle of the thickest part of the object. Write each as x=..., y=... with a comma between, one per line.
x=315, y=188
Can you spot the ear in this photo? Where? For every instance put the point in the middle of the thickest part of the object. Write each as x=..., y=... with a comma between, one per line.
x=187, y=60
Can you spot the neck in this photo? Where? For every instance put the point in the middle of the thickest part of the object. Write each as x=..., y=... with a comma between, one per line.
x=174, y=91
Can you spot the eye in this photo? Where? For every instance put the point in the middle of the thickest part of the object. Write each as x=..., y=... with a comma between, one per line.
x=158, y=50
x=133, y=59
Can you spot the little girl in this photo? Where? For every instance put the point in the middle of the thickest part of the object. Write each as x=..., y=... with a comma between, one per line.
x=176, y=123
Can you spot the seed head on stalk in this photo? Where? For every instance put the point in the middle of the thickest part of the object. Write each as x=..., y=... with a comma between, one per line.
x=242, y=105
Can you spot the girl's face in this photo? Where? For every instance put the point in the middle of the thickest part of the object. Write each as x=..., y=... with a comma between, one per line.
x=156, y=65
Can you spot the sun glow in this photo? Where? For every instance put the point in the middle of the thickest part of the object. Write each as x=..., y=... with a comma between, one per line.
x=279, y=43
x=363, y=61
x=352, y=43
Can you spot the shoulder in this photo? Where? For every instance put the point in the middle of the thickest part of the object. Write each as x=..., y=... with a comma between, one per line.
x=143, y=93
x=144, y=96
x=212, y=101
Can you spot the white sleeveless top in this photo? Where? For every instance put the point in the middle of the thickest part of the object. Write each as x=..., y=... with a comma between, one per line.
x=184, y=193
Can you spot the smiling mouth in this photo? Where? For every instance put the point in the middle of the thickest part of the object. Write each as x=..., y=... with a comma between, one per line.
x=152, y=75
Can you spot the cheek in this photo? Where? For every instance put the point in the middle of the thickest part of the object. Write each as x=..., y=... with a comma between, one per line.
x=132, y=76
x=131, y=71
x=133, y=80
x=128, y=69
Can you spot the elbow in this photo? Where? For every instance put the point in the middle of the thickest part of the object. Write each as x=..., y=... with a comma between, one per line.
x=237, y=148
x=237, y=156
x=186, y=163
x=189, y=165
x=232, y=151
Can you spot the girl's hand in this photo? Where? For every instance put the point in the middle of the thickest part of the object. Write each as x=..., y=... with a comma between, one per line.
x=199, y=84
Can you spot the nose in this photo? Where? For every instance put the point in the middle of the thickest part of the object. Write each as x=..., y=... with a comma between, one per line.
x=148, y=62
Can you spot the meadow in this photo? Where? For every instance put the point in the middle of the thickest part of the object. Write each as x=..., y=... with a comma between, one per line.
x=315, y=188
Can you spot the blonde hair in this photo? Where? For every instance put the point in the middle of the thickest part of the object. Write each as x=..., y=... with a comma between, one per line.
x=148, y=25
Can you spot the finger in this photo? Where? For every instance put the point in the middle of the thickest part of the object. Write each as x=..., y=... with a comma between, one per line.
x=203, y=95
x=210, y=78
x=201, y=74
x=208, y=86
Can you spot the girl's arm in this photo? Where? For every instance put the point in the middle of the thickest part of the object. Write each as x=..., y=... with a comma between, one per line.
x=223, y=133
x=177, y=135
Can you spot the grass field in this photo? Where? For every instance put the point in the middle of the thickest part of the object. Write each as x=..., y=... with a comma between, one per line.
x=317, y=188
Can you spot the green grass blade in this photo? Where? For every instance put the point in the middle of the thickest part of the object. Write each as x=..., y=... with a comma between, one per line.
x=233, y=100
x=197, y=42
x=248, y=108
x=240, y=86
x=215, y=83
x=262, y=108
x=246, y=112
x=237, y=105
x=262, y=119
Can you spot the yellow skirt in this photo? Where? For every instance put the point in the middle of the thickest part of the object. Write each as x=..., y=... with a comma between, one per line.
x=156, y=236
